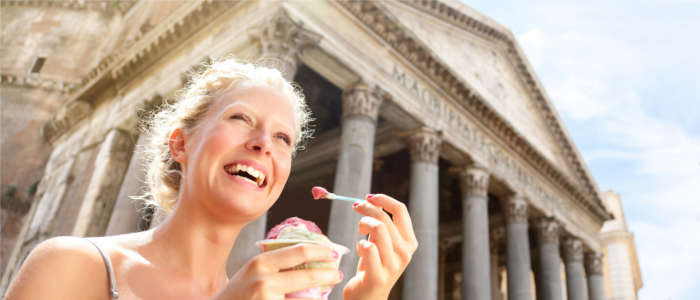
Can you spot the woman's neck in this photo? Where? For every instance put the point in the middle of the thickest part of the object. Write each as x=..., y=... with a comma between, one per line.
x=192, y=243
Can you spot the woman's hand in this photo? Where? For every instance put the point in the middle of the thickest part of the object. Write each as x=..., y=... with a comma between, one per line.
x=264, y=276
x=387, y=251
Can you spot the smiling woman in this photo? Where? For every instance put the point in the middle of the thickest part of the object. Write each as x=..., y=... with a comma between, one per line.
x=164, y=173
x=218, y=158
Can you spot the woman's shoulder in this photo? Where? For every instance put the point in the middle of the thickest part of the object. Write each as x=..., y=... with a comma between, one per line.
x=59, y=268
x=65, y=250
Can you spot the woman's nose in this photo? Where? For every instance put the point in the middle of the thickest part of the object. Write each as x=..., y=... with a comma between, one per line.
x=259, y=141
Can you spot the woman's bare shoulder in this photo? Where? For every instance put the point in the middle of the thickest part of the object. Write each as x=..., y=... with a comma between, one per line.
x=61, y=268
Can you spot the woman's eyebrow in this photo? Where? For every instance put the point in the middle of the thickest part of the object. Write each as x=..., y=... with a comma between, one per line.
x=254, y=110
x=246, y=105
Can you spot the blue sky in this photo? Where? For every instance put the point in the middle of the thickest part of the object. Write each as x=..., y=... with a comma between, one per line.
x=625, y=78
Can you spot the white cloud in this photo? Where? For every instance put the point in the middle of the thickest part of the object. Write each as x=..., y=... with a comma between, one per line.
x=599, y=81
x=625, y=76
x=668, y=257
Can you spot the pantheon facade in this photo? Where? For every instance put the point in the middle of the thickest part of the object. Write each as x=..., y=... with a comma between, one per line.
x=426, y=100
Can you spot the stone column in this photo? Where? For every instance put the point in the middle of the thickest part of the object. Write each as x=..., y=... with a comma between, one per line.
x=421, y=276
x=549, y=285
x=517, y=249
x=353, y=175
x=576, y=288
x=594, y=270
x=125, y=216
x=110, y=165
x=475, y=235
x=281, y=41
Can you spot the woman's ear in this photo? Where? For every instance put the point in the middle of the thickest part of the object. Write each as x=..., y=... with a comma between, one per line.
x=177, y=145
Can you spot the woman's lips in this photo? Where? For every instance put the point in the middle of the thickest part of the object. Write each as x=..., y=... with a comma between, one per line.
x=245, y=181
x=248, y=170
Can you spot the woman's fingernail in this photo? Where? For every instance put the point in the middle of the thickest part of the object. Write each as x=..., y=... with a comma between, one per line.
x=369, y=196
x=355, y=204
x=334, y=254
x=340, y=273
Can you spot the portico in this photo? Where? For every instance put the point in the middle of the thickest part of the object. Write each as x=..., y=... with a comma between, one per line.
x=495, y=187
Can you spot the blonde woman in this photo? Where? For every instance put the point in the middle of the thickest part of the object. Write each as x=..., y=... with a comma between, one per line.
x=232, y=114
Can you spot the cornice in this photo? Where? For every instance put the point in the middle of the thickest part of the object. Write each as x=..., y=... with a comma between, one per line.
x=121, y=6
x=135, y=57
x=387, y=27
x=67, y=116
x=528, y=77
x=38, y=82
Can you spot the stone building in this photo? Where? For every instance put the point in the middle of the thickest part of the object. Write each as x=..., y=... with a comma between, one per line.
x=621, y=271
x=429, y=101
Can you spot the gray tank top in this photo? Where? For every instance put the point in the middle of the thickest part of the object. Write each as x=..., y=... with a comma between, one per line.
x=110, y=272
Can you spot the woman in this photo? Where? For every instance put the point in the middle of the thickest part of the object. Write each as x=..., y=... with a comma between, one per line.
x=233, y=116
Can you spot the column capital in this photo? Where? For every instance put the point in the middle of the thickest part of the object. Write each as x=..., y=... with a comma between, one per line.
x=594, y=263
x=281, y=41
x=424, y=145
x=547, y=230
x=362, y=99
x=474, y=180
x=572, y=249
x=516, y=209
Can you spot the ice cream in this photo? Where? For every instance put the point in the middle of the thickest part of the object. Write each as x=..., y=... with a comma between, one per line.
x=296, y=230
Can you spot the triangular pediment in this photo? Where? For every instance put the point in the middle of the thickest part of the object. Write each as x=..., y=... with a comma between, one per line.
x=483, y=64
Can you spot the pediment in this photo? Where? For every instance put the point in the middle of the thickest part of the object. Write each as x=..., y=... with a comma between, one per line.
x=483, y=64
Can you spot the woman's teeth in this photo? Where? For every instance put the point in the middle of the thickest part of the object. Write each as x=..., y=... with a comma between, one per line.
x=247, y=172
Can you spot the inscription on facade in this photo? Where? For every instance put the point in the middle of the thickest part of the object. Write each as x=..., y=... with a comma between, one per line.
x=455, y=123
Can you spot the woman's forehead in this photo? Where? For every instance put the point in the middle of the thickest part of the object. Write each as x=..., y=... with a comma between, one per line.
x=258, y=97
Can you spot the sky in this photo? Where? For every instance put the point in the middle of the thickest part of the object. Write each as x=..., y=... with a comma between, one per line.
x=625, y=78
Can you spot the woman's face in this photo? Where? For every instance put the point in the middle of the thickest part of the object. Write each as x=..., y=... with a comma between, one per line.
x=239, y=157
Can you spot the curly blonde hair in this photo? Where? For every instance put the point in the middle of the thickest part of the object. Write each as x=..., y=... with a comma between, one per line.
x=163, y=173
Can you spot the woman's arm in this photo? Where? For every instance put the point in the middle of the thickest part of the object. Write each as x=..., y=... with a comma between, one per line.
x=61, y=268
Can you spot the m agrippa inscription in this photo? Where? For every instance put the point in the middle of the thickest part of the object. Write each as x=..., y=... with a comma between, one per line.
x=460, y=130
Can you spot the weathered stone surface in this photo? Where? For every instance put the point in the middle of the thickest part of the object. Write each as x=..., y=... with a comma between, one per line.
x=110, y=166
x=421, y=279
x=24, y=155
x=517, y=249
x=353, y=178
x=548, y=276
x=424, y=145
x=475, y=242
x=128, y=212
x=623, y=274
x=144, y=51
x=281, y=41
x=576, y=287
x=594, y=271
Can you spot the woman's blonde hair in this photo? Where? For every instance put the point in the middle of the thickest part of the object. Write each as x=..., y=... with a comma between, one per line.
x=163, y=173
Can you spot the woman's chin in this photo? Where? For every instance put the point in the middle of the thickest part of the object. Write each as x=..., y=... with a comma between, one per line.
x=234, y=210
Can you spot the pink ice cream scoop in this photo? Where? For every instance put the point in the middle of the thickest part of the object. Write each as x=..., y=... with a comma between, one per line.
x=296, y=230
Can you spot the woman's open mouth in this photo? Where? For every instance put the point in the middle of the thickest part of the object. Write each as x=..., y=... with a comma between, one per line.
x=247, y=172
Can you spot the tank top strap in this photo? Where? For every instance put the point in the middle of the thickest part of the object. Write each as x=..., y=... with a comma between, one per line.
x=110, y=271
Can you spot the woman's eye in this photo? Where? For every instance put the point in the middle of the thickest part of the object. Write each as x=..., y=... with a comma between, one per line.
x=284, y=138
x=240, y=116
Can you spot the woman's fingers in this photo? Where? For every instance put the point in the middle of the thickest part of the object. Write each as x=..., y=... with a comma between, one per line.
x=288, y=257
x=399, y=211
x=379, y=236
x=369, y=209
x=297, y=280
x=369, y=255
